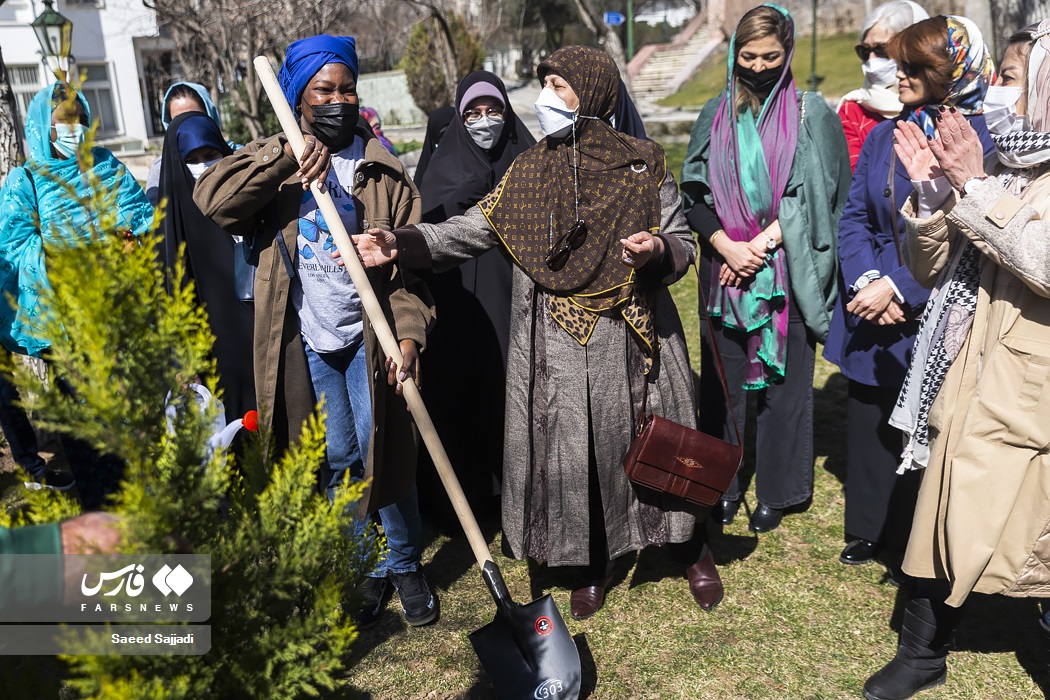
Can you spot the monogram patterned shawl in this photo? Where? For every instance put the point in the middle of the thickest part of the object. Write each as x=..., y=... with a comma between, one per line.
x=618, y=179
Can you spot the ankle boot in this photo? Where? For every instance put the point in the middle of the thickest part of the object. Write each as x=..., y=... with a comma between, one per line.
x=704, y=582
x=921, y=661
x=589, y=598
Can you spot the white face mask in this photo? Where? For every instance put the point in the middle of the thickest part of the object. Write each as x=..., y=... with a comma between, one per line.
x=485, y=131
x=1000, y=110
x=197, y=169
x=67, y=138
x=879, y=72
x=556, y=119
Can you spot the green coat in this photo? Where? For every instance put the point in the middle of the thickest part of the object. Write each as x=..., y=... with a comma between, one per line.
x=815, y=195
x=34, y=584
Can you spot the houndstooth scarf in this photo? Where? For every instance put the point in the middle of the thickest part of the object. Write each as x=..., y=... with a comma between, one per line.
x=943, y=330
x=1023, y=149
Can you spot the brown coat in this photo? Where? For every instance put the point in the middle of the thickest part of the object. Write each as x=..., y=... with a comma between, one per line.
x=233, y=193
x=983, y=515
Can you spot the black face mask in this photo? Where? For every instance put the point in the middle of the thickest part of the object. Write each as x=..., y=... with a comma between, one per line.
x=334, y=124
x=759, y=82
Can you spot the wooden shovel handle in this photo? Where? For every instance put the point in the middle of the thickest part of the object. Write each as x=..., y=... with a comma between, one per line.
x=376, y=317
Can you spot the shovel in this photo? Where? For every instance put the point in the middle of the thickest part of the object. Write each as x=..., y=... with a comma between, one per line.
x=526, y=650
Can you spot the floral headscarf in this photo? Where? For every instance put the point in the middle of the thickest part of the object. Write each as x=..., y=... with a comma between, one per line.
x=972, y=73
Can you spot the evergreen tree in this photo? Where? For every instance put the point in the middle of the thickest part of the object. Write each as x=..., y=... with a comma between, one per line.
x=284, y=561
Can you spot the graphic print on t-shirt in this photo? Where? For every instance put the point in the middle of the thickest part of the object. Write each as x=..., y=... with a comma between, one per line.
x=313, y=230
x=330, y=316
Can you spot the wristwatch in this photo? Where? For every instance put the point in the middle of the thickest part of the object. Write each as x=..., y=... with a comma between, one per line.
x=973, y=182
x=771, y=245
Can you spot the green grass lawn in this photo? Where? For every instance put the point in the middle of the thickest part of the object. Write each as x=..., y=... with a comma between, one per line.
x=795, y=623
x=835, y=61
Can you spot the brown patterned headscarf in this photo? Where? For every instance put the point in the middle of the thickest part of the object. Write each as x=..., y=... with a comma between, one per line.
x=618, y=178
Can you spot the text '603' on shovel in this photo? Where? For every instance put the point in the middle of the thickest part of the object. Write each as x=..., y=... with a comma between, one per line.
x=526, y=650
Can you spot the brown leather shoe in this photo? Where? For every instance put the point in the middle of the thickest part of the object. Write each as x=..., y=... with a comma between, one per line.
x=586, y=601
x=704, y=582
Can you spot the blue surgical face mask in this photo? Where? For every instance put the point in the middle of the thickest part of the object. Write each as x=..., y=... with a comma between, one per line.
x=556, y=119
x=68, y=138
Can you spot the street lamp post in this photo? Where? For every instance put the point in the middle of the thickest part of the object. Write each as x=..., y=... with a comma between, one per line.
x=54, y=31
x=814, y=79
x=630, y=29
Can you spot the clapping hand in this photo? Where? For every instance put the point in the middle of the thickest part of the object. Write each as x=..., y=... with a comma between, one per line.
x=958, y=149
x=915, y=152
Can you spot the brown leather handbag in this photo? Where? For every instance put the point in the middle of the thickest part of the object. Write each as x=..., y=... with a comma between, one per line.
x=680, y=461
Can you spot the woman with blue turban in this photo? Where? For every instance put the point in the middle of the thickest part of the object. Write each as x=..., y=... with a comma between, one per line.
x=192, y=144
x=310, y=329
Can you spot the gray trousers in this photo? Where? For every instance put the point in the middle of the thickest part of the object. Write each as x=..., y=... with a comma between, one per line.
x=784, y=435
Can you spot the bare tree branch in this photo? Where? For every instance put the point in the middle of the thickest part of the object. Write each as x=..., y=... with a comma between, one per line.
x=216, y=40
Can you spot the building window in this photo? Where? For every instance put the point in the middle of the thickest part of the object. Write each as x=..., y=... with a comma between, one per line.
x=99, y=93
x=25, y=82
x=86, y=3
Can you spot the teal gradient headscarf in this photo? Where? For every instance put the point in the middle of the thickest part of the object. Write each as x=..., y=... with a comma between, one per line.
x=37, y=212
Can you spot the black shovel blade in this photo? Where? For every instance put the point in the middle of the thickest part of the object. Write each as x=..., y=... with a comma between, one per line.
x=528, y=653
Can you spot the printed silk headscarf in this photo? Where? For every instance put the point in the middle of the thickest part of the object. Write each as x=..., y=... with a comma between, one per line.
x=748, y=177
x=972, y=71
x=619, y=180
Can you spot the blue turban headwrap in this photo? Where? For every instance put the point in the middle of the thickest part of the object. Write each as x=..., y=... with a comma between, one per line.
x=199, y=131
x=305, y=57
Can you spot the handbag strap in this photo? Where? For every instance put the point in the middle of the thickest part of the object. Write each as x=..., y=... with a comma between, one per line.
x=892, y=194
x=713, y=343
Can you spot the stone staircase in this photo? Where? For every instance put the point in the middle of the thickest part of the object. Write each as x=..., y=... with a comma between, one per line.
x=658, y=70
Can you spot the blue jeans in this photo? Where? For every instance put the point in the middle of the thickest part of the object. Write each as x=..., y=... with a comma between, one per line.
x=341, y=380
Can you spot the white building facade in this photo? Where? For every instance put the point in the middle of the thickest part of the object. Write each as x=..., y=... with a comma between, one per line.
x=117, y=51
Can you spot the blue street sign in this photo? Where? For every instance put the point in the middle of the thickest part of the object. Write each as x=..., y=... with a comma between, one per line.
x=615, y=19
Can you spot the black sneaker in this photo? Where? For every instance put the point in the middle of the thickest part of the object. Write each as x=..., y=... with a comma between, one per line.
x=417, y=602
x=373, y=599
x=51, y=479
